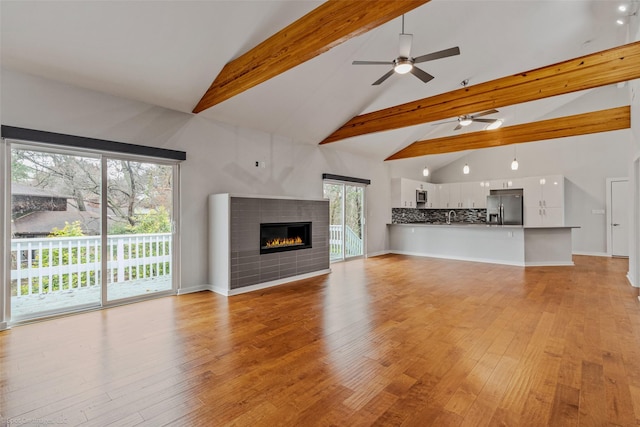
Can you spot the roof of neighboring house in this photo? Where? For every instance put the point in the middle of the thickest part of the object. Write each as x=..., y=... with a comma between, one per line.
x=41, y=223
x=26, y=190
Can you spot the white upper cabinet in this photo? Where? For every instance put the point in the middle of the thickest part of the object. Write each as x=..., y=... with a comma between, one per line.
x=544, y=200
x=448, y=196
x=403, y=192
x=504, y=184
x=433, y=199
x=474, y=194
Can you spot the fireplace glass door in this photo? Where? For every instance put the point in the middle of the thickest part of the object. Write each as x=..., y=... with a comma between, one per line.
x=346, y=220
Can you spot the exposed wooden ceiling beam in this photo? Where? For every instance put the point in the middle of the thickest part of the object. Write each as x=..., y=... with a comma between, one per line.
x=325, y=27
x=579, y=124
x=599, y=69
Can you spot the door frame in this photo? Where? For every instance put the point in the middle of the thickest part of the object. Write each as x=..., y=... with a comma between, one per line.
x=5, y=226
x=103, y=156
x=609, y=207
x=364, y=215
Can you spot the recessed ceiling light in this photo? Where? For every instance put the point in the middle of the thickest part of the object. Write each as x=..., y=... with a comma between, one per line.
x=622, y=8
x=620, y=22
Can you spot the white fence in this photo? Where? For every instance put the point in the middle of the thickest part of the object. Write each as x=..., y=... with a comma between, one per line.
x=56, y=264
x=353, y=243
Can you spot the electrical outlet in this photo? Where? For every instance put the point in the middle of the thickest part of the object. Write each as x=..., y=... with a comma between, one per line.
x=257, y=164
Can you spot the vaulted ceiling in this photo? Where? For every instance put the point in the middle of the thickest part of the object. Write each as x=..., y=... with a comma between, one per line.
x=168, y=54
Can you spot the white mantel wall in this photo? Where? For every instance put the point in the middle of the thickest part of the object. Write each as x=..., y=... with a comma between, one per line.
x=220, y=158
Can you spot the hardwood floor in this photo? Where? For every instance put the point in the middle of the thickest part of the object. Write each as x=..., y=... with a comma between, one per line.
x=392, y=340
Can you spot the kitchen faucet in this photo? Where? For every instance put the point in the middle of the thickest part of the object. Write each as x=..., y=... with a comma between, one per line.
x=449, y=216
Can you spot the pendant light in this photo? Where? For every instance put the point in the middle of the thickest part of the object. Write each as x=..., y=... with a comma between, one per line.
x=465, y=169
x=425, y=171
x=514, y=164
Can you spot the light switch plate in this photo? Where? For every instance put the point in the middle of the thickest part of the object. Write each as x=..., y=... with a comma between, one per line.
x=597, y=211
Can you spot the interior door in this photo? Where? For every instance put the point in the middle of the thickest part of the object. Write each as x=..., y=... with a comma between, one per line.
x=619, y=219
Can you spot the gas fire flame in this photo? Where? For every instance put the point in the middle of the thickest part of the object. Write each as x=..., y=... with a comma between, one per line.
x=277, y=242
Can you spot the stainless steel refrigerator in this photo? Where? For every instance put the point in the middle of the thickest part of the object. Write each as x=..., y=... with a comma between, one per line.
x=504, y=209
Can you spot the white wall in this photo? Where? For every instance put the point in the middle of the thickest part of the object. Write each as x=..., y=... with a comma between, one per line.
x=220, y=158
x=634, y=172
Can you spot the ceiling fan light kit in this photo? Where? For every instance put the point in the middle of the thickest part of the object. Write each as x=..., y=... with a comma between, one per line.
x=466, y=120
x=402, y=65
x=495, y=125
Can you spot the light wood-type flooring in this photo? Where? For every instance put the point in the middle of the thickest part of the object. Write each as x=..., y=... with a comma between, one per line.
x=391, y=340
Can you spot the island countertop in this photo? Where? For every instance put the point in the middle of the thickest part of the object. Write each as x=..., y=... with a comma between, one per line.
x=500, y=244
x=479, y=225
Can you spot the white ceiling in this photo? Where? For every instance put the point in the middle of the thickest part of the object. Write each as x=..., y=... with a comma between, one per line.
x=167, y=53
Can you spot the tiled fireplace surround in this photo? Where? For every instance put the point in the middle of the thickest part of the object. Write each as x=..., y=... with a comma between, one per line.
x=248, y=269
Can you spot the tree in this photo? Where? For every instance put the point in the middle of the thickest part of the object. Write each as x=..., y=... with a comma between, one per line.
x=133, y=188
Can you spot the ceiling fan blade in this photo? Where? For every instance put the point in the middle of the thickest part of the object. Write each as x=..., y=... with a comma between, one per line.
x=484, y=113
x=422, y=75
x=405, y=45
x=457, y=127
x=437, y=55
x=383, y=78
x=484, y=120
x=372, y=63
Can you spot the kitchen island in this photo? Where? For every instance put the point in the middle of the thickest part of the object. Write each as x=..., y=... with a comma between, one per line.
x=510, y=245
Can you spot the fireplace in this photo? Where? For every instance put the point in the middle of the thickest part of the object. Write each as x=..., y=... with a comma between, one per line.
x=284, y=236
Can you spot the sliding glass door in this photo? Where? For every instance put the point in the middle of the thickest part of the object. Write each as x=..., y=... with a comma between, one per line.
x=139, y=243
x=82, y=220
x=346, y=219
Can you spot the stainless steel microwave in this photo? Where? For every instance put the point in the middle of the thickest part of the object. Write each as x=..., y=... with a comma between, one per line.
x=421, y=196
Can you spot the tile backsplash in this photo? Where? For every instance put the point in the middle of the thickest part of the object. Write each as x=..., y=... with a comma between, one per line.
x=407, y=215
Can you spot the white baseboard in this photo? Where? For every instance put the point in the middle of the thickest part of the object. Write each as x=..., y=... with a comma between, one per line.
x=482, y=260
x=631, y=282
x=549, y=264
x=3, y=326
x=378, y=254
x=193, y=289
x=602, y=254
x=264, y=285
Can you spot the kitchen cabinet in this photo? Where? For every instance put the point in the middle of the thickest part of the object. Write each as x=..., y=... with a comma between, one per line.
x=543, y=200
x=455, y=200
x=473, y=195
x=433, y=200
x=403, y=193
x=449, y=196
x=504, y=184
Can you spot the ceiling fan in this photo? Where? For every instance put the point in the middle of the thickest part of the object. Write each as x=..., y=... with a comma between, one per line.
x=404, y=63
x=467, y=119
